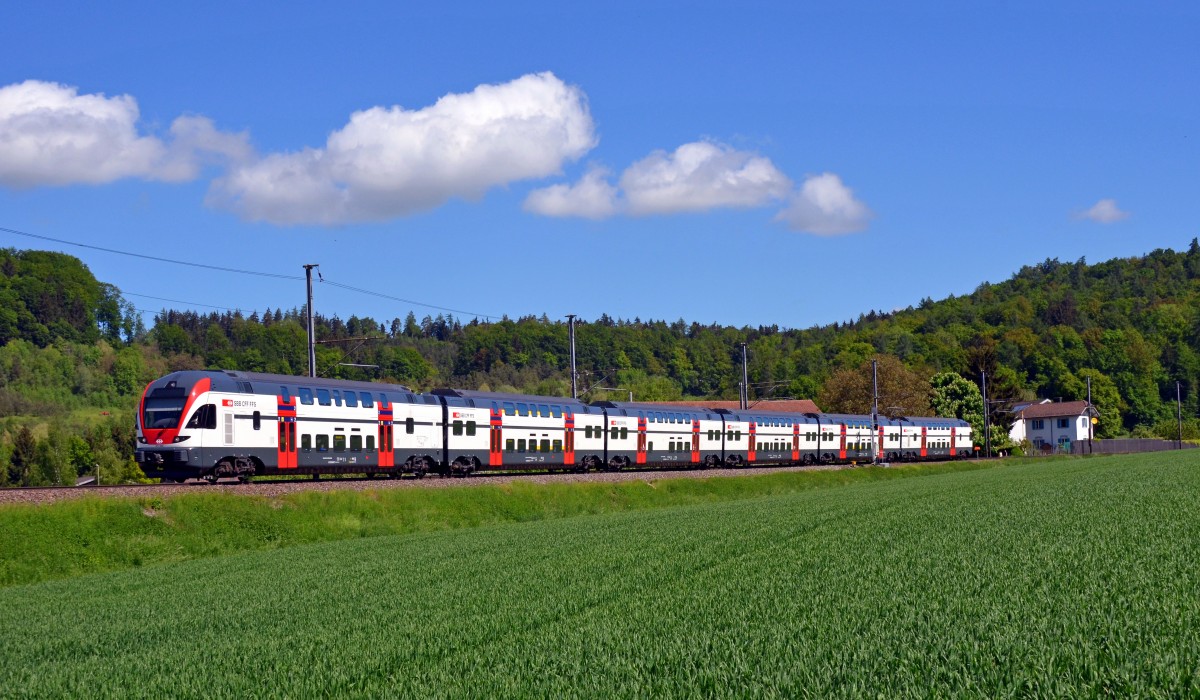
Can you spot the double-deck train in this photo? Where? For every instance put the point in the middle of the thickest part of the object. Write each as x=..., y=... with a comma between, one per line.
x=214, y=424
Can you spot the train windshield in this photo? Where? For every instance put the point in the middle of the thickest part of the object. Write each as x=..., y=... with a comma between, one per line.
x=163, y=408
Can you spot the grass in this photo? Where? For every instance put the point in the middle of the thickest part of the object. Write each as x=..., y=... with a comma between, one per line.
x=1068, y=578
x=91, y=535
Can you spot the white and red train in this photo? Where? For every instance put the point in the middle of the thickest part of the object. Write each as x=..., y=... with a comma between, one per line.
x=212, y=424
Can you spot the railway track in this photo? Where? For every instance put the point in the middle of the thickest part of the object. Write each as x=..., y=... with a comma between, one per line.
x=278, y=487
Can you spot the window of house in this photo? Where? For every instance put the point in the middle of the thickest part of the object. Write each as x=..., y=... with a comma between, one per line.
x=1064, y=422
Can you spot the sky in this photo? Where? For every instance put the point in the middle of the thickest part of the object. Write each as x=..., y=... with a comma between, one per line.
x=751, y=163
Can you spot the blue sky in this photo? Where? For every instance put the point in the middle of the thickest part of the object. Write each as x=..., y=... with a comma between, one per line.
x=746, y=164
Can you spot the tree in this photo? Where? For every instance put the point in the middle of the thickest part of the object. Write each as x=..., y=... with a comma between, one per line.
x=21, y=460
x=955, y=397
x=902, y=391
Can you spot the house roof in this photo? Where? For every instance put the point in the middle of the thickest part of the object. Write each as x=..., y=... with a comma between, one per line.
x=784, y=406
x=1056, y=410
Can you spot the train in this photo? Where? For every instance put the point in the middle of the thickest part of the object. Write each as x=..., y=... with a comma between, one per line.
x=215, y=424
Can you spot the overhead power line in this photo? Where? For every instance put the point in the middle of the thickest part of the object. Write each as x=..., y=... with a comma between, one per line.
x=257, y=273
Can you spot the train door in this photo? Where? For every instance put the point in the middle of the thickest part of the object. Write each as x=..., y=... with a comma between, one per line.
x=924, y=442
x=795, y=442
x=753, y=446
x=641, y=440
x=695, y=441
x=842, y=445
x=285, y=444
x=568, y=437
x=495, y=455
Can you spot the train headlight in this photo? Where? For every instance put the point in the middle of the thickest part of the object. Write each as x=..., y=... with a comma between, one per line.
x=181, y=438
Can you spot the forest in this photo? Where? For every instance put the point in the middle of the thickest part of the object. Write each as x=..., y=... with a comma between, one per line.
x=75, y=355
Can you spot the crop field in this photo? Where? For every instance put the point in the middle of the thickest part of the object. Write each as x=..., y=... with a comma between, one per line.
x=1069, y=578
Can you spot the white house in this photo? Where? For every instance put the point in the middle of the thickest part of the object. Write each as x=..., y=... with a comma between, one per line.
x=1053, y=426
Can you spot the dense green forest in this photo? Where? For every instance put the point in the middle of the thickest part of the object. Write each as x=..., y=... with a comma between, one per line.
x=74, y=355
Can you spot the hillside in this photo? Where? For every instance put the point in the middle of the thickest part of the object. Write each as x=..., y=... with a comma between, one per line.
x=1131, y=325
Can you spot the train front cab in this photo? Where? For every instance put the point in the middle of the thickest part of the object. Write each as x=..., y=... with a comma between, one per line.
x=176, y=417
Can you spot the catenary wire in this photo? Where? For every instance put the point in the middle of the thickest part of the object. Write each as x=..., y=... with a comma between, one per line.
x=257, y=273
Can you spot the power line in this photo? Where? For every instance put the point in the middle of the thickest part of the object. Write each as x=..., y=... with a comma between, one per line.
x=178, y=301
x=257, y=273
x=151, y=257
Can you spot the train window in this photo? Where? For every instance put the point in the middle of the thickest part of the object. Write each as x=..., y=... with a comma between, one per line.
x=204, y=417
x=339, y=443
x=587, y=432
x=283, y=393
x=543, y=410
x=322, y=443
x=323, y=397
x=613, y=432
x=509, y=445
x=649, y=446
x=458, y=427
x=306, y=442
x=470, y=427
x=520, y=445
x=410, y=425
x=522, y=409
x=557, y=447
x=356, y=443
x=671, y=446
x=351, y=399
x=737, y=435
x=382, y=399
x=556, y=411
x=370, y=443
x=729, y=435
x=337, y=398
x=366, y=400
x=624, y=433
x=306, y=397
x=257, y=418
x=509, y=408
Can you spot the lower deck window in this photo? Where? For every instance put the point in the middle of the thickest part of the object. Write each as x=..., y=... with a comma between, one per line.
x=306, y=442
x=322, y=443
x=339, y=443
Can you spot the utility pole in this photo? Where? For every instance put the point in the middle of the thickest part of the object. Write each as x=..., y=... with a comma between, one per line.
x=1089, y=418
x=312, y=335
x=1179, y=414
x=987, y=423
x=574, y=375
x=745, y=381
x=875, y=412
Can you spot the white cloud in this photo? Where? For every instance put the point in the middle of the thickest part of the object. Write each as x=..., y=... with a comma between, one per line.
x=52, y=135
x=1104, y=212
x=388, y=162
x=700, y=176
x=593, y=197
x=826, y=207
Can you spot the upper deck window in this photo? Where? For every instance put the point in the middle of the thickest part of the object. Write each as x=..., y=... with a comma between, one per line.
x=351, y=399
x=323, y=397
x=306, y=396
x=366, y=400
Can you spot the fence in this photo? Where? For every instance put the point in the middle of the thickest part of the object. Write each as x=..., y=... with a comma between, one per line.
x=1126, y=445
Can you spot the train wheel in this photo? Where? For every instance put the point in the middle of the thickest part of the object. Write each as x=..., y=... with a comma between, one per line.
x=614, y=464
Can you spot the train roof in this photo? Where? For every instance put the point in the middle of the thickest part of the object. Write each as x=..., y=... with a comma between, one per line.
x=501, y=396
x=631, y=407
x=224, y=380
x=936, y=422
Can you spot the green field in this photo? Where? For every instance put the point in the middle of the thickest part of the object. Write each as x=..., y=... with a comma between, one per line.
x=1068, y=578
